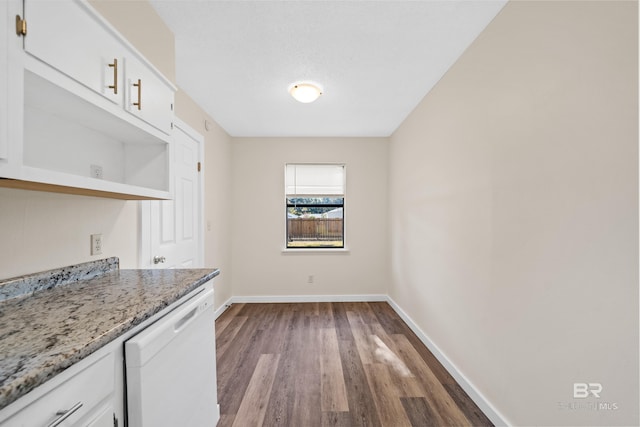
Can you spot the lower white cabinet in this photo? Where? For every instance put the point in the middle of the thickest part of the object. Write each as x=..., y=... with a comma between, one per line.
x=85, y=399
x=106, y=418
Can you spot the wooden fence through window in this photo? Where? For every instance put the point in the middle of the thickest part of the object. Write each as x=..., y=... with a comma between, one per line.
x=322, y=229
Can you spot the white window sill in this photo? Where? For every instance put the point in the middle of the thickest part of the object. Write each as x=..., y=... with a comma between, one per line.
x=311, y=251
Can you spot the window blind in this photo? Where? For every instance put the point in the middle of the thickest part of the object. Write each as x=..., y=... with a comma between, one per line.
x=314, y=180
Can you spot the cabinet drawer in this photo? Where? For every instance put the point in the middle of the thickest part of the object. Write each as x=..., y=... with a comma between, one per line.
x=103, y=419
x=88, y=388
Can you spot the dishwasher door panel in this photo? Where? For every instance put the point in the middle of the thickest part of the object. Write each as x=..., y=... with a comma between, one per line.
x=171, y=368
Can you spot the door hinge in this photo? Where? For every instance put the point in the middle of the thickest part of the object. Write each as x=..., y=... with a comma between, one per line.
x=21, y=26
x=199, y=166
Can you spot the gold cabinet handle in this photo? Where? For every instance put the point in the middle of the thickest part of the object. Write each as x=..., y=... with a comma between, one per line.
x=139, y=86
x=21, y=26
x=115, y=76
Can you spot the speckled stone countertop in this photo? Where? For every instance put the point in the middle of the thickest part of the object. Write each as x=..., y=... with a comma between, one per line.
x=51, y=320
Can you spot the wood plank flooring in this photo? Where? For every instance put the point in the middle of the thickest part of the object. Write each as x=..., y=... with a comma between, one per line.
x=331, y=364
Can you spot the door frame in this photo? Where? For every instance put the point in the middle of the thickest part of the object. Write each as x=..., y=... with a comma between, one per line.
x=144, y=206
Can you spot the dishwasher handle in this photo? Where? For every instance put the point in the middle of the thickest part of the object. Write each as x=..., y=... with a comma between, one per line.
x=182, y=322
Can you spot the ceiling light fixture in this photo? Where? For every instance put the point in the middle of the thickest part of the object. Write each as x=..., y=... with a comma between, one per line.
x=305, y=92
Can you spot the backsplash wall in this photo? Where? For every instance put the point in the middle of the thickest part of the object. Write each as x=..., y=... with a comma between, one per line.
x=41, y=231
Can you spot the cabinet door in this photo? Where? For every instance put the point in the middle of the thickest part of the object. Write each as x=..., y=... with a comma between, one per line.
x=65, y=35
x=75, y=400
x=105, y=418
x=148, y=97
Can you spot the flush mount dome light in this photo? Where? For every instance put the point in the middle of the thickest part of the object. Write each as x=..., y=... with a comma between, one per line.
x=305, y=92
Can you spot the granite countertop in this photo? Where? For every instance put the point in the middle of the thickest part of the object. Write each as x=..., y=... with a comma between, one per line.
x=51, y=320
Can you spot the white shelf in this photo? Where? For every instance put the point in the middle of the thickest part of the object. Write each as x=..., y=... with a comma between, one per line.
x=64, y=133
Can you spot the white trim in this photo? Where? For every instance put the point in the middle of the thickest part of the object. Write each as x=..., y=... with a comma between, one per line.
x=485, y=406
x=223, y=308
x=345, y=204
x=316, y=251
x=307, y=298
x=144, y=235
x=194, y=134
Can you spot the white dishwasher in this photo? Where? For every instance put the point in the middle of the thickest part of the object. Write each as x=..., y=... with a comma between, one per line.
x=171, y=368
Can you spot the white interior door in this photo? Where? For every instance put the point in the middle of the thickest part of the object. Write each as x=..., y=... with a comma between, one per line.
x=172, y=229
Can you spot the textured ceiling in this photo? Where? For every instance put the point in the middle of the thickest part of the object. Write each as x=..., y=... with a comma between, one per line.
x=375, y=60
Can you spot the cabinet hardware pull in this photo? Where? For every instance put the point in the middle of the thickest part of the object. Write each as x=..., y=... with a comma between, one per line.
x=63, y=415
x=139, y=86
x=21, y=26
x=115, y=76
x=158, y=259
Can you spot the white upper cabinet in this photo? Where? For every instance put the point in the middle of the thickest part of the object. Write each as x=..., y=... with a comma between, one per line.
x=147, y=97
x=85, y=112
x=67, y=38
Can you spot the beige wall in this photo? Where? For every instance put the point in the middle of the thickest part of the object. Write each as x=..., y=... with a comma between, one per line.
x=259, y=266
x=41, y=231
x=514, y=187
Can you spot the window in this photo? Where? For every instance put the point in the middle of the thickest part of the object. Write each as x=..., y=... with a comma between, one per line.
x=315, y=205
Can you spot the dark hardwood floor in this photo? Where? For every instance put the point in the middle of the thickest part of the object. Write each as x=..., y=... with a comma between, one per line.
x=331, y=364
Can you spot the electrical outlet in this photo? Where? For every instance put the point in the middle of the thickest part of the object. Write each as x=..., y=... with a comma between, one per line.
x=96, y=244
x=95, y=171
x=310, y=279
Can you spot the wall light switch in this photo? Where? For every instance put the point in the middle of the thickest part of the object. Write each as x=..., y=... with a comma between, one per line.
x=96, y=244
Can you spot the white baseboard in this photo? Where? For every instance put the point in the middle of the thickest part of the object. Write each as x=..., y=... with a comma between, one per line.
x=307, y=298
x=484, y=405
x=223, y=307
x=217, y=413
